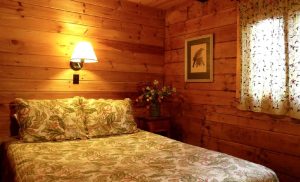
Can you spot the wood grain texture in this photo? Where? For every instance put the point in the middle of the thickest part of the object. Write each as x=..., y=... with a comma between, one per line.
x=37, y=38
x=162, y=4
x=206, y=114
x=136, y=43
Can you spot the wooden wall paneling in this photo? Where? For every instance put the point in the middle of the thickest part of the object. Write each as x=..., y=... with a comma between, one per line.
x=25, y=40
x=221, y=66
x=269, y=158
x=173, y=17
x=64, y=85
x=97, y=10
x=103, y=65
x=208, y=97
x=218, y=19
x=162, y=4
x=231, y=115
x=37, y=39
x=253, y=137
x=278, y=121
x=99, y=31
x=207, y=115
x=105, y=55
x=114, y=4
x=33, y=73
x=222, y=34
x=225, y=82
x=207, y=139
x=272, y=125
x=8, y=96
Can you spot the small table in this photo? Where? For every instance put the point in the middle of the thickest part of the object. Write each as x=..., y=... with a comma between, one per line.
x=159, y=125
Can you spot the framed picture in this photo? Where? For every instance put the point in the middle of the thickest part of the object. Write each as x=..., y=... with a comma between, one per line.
x=199, y=59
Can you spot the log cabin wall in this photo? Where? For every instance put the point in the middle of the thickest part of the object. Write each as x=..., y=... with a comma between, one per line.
x=37, y=38
x=208, y=116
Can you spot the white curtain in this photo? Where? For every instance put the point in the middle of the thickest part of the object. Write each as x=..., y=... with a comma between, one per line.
x=270, y=57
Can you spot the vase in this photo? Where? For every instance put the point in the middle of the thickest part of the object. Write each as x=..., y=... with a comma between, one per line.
x=154, y=110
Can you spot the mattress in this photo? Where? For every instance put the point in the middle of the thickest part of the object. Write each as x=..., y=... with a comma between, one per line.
x=141, y=156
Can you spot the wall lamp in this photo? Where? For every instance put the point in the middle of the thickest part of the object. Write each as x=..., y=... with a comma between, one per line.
x=83, y=53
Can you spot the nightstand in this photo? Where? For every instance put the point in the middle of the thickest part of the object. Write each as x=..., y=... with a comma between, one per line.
x=159, y=125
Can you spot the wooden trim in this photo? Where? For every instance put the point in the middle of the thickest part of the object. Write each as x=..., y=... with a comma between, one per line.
x=238, y=57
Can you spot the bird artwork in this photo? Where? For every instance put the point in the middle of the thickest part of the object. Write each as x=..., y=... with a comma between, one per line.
x=198, y=59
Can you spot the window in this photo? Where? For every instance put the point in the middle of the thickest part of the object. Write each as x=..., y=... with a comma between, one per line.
x=270, y=56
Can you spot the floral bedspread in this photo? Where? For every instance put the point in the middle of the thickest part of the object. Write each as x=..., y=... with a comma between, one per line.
x=141, y=156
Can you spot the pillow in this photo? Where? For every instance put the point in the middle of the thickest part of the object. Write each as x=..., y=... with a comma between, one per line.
x=50, y=120
x=106, y=117
x=73, y=118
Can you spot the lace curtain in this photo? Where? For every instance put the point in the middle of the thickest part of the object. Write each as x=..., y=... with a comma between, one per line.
x=270, y=56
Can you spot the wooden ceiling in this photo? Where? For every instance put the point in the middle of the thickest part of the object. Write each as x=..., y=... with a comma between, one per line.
x=161, y=4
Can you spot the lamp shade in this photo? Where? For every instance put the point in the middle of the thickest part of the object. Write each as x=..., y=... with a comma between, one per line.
x=84, y=52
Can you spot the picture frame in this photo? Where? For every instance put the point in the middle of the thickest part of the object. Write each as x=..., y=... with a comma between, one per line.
x=199, y=59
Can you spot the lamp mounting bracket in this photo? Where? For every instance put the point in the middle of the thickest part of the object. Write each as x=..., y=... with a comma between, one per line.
x=76, y=66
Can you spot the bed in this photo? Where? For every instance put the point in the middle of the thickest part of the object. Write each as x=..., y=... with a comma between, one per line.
x=133, y=156
x=141, y=156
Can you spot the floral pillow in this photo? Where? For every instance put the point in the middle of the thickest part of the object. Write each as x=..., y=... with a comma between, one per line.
x=50, y=120
x=73, y=117
x=106, y=117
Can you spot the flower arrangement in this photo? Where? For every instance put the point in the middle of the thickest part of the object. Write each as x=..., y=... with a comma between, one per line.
x=153, y=93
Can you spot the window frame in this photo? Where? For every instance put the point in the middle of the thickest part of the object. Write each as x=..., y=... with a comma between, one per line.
x=238, y=58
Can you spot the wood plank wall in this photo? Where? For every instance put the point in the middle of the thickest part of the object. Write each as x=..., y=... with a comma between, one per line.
x=207, y=116
x=37, y=38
